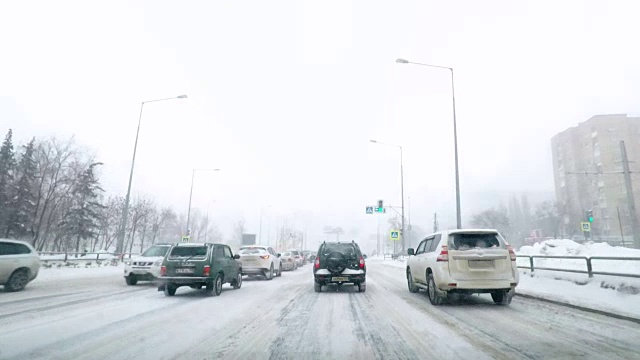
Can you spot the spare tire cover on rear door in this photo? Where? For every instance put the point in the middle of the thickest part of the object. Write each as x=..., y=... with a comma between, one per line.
x=336, y=262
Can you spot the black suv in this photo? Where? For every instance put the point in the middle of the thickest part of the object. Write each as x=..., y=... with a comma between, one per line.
x=339, y=263
x=200, y=265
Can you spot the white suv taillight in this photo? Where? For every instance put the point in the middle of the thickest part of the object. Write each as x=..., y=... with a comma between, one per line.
x=444, y=254
x=512, y=253
x=317, y=263
x=163, y=271
x=361, y=264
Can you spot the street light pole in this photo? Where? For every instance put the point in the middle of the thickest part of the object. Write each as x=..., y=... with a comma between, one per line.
x=125, y=210
x=455, y=134
x=193, y=173
x=401, y=190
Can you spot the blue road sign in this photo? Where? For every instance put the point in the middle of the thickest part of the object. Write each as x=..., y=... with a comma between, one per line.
x=369, y=209
x=394, y=234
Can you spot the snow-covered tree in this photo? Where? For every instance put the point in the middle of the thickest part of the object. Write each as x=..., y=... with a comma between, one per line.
x=82, y=220
x=21, y=207
x=7, y=168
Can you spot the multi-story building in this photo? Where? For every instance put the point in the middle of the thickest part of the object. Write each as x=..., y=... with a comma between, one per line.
x=587, y=167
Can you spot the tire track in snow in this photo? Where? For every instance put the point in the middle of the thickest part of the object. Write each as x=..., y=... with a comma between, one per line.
x=67, y=303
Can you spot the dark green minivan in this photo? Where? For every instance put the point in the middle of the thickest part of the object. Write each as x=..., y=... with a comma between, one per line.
x=200, y=265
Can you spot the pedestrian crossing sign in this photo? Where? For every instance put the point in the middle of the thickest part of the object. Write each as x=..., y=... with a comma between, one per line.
x=394, y=235
x=186, y=239
x=586, y=226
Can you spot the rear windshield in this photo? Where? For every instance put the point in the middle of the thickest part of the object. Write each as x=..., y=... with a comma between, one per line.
x=347, y=250
x=156, y=251
x=252, y=251
x=189, y=251
x=474, y=241
x=286, y=253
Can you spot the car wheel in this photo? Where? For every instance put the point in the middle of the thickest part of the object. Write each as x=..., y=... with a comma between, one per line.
x=412, y=286
x=317, y=287
x=270, y=273
x=169, y=290
x=131, y=279
x=435, y=295
x=280, y=270
x=238, y=282
x=217, y=285
x=502, y=297
x=362, y=287
x=17, y=281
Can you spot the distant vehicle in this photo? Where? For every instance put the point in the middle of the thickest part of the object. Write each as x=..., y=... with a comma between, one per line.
x=19, y=264
x=463, y=262
x=288, y=262
x=312, y=256
x=339, y=263
x=260, y=260
x=145, y=267
x=200, y=265
x=305, y=255
x=297, y=256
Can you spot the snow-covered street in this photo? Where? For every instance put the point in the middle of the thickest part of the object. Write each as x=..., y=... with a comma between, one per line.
x=91, y=313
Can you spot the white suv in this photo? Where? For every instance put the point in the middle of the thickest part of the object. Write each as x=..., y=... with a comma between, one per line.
x=145, y=266
x=466, y=261
x=260, y=260
x=19, y=264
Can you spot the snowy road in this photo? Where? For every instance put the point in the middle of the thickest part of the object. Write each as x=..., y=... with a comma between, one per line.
x=96, y=315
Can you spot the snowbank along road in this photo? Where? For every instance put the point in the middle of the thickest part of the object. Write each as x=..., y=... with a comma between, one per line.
x=95, y=315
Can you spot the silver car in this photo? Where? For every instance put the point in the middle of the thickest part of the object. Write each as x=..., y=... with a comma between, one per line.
x=19, y=264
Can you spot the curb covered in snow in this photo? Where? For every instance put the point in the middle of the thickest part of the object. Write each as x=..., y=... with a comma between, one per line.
x=583, y=308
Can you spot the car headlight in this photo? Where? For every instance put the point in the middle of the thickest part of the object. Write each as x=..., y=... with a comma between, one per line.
x=127, y=262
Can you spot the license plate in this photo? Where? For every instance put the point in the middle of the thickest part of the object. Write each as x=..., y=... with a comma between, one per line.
x=480, y=263
x=184, y=271
x=339, y=278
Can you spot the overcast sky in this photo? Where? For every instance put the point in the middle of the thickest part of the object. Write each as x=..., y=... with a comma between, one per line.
x=285, y=95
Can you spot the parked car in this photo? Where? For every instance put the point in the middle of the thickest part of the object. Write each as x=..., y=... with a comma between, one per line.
x=339, y=263
x=463, y=262
x=297, y=256
x=305, y=256
x=200, y=265
x=288, y=262
x=19, y=264
x=260, y=260
x=145, y=267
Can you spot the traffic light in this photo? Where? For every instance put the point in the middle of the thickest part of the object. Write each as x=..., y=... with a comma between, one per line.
x=590, y=215
x=380, y=207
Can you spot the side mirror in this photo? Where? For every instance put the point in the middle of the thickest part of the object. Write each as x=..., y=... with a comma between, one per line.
x=236, y=256
x=410, y=251
x=364, y=256
x=279, y=254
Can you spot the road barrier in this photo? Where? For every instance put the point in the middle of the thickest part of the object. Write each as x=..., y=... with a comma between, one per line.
x=588, y=261
x=82, y=256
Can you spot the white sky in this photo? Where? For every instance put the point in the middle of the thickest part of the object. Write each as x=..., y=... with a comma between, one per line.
x=284, y=96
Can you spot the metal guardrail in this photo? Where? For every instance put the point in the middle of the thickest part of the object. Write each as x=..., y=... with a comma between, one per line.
x=587, y=259
x=83, y=256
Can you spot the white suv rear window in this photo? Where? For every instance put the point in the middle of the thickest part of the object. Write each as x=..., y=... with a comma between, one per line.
x=468, y=241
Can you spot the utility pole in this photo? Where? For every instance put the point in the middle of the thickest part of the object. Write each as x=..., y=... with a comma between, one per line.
x=435, y=222
x=630, y=200
x=620, y=223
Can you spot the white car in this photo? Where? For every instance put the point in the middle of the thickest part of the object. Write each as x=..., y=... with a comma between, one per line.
x=19, y=264
x=288, y=262
x=260, y=260
x=297, y=256
x=465, y=261
x=145, y=266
